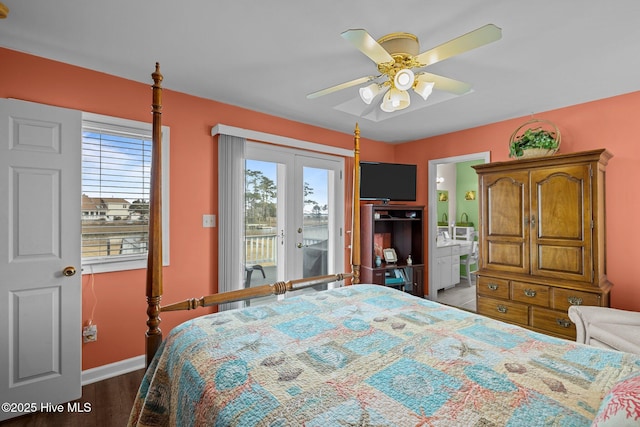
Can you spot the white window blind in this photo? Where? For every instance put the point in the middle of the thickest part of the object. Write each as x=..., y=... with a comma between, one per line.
x=116, y=165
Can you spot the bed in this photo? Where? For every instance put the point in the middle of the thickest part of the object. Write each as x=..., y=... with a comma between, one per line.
x=366, y=355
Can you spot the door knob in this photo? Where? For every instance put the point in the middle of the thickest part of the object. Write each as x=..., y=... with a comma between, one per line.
x=69, y=271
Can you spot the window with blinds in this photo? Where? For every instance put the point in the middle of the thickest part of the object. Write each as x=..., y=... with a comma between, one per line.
x=116, y=166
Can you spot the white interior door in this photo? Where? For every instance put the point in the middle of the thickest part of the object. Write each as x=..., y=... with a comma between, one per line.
x=40, y=306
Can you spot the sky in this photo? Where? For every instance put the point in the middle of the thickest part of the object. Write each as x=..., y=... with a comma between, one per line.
x=115, y=166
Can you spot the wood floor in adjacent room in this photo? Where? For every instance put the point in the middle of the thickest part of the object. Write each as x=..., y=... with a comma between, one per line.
x=111, y=401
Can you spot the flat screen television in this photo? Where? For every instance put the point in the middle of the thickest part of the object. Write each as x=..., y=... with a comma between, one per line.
x=387, y=181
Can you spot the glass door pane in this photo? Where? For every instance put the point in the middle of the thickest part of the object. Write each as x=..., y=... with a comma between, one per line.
x=315, y=222
x=317, y=235
x=263, y=225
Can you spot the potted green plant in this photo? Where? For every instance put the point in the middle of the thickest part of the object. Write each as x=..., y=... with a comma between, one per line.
x=529, y=141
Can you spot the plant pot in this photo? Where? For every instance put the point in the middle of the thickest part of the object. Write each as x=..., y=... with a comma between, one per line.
x=535, y=138
x=536, y=152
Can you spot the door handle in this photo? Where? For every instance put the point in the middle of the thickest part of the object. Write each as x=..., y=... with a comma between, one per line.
x=69, y=271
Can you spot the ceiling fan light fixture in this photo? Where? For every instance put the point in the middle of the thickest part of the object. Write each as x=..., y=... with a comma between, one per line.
x=395, y=100
x=368, y=93
x=396, y=55
x=404, y=79
x=423, y=88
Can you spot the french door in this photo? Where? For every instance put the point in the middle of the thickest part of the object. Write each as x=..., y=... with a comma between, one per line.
x=294, y=221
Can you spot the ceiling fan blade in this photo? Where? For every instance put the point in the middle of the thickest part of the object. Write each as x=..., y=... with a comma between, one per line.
x=476, y=38
x=367, y=45
x=446, y=84
x=341, y=86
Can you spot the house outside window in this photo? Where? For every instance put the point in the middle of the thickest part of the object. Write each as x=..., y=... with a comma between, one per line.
x=116, y=166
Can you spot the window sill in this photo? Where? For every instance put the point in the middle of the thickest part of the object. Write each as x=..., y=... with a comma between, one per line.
x=112, y=266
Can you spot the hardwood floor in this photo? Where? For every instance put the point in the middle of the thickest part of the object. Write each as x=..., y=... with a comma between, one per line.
x=110, y=402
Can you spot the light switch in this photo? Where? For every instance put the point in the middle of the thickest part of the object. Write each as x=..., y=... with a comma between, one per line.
x=208, y=221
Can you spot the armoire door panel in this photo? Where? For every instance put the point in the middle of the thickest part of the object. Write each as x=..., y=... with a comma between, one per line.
x=561, y=236
x=506, y=206
x=559, y=204
x=556, y=219
x=506, y=256
x=557, y=259
x=505, y=221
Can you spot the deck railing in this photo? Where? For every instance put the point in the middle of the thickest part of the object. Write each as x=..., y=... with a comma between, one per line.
x=263, y=249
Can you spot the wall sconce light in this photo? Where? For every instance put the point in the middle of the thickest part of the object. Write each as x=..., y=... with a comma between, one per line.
x=439, y=180
x=470, y=195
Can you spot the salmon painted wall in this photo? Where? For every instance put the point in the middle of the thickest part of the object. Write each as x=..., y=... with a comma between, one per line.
x=119, y=297
x=610, y=123
x=120, y=307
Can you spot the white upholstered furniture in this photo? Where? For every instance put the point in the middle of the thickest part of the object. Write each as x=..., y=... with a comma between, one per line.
x=607, y=327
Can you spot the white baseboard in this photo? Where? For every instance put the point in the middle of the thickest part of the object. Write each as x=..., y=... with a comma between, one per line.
x=112, y=370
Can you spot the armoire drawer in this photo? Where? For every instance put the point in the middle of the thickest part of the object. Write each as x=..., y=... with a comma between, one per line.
x=554, y=321
x=504, y=310
x=529, y=293
x=492, y=287
x=562, y=299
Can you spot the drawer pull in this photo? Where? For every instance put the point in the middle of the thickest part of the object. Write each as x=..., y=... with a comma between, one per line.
x=563, y=322
x=492, y=286
x=530, y=293
x=501, y=308
x=575, y=300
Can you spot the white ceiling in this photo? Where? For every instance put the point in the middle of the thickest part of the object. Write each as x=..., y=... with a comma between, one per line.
x=268, y=55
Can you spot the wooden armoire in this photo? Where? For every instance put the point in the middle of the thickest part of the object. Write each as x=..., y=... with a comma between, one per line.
x=542, y=239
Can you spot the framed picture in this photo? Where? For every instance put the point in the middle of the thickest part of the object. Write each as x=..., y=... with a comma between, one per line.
x=390, y=255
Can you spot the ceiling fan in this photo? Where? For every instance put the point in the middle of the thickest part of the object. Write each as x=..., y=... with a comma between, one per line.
x=396, y=56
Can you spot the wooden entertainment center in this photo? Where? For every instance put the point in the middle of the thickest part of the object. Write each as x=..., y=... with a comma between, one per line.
x=393, y=226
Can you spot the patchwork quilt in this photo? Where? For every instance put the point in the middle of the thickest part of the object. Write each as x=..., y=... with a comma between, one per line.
x=367, y=355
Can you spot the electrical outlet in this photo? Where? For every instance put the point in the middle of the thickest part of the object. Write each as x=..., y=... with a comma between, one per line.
x=208, y=221
x=89, y=333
